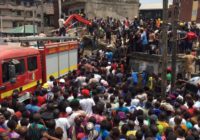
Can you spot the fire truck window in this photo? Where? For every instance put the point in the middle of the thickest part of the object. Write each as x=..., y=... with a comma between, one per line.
x=5, y=72
x=20, y=68
x=32, y=63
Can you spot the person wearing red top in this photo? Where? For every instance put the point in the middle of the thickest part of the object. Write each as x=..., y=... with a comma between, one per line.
x=190, y=110
x=114, y=65
x=2, y=130
x=122, y=67
x=127, y=23
x=41, y=99
x=188, y=40
x=18, y=114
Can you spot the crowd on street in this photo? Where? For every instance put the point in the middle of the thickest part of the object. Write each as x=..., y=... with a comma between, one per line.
x=105, y=100
x=143, y=35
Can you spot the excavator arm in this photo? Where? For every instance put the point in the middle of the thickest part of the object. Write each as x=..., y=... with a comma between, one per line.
x=78, y=18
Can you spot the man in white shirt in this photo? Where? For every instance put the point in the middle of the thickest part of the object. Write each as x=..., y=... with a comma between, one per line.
x=8, y=109
x=80, y=79
x=87, y=103
x=108, y=67
x=61, y=23
x=172, y=122
x=197, y=126
x=197, y=105
x=63, y=123
x=97, y=76
x=94, y=79
x=75, y=113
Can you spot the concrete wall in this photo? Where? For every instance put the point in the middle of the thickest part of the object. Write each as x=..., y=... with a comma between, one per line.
x=7, y=24
x=113, y=8
x=188, y=11
x=151, y=63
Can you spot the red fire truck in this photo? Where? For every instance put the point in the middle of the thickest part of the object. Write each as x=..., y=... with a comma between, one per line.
x=23, y=68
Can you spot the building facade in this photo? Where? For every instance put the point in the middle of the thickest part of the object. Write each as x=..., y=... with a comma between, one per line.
x=118, y=9
x=151, y=11
x=190, y=11
x=15, y=13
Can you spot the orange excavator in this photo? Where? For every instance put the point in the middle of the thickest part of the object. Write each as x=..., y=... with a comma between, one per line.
x=78, y=18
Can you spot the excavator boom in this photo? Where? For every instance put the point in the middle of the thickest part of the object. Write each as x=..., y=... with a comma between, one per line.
x=78, y=18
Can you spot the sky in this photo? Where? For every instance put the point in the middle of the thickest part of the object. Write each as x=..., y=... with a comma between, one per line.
x=151, y=1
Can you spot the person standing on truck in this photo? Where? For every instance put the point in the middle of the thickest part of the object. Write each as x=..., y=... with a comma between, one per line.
x=42, y=34
x=61, y=22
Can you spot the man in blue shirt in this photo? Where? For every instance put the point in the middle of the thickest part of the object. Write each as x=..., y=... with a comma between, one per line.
x=144, y=40
x=32, y=107
x=121, y=108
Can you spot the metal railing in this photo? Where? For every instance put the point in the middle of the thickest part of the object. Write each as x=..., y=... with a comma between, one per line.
x=20, y=18
x=16, y=7
x=25, y=39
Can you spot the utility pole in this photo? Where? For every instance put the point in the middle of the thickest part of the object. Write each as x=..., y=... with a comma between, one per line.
x=24, y=22
x=164, y=47
x=42, y=16
x=34, y=11
x=59, y=8
x=175, y=16
x=1, y=26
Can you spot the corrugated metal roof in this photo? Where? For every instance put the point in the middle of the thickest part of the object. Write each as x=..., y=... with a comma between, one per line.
x=151, y=6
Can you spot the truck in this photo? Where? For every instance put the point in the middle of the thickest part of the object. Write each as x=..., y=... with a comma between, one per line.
x=22, y=68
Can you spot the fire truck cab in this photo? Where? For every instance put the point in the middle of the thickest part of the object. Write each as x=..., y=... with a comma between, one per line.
x=22, y=68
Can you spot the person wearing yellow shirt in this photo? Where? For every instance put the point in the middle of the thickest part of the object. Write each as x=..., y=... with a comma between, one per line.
x=158, y=22
x=150, y=82
x=131, y=130
x=162, y=122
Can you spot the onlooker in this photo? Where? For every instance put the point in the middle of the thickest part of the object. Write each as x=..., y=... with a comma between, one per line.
x=62, y=30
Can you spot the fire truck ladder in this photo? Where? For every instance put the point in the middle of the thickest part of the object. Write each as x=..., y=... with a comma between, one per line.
x=24, y=39
x=40, y=40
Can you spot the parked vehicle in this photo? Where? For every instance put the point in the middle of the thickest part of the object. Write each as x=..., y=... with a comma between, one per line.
x=23, y=68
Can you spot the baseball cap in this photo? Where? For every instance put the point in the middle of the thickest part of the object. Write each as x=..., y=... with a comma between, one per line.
x=89, y=126
x=62, y=80
x=45, y=85
x=80, y=136
x=18, y=114
x=68, y=110
x=85, y=92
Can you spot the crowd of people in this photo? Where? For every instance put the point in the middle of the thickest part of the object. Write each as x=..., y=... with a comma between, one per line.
x=143, y=35
x=104, y=100
x=140, y=35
